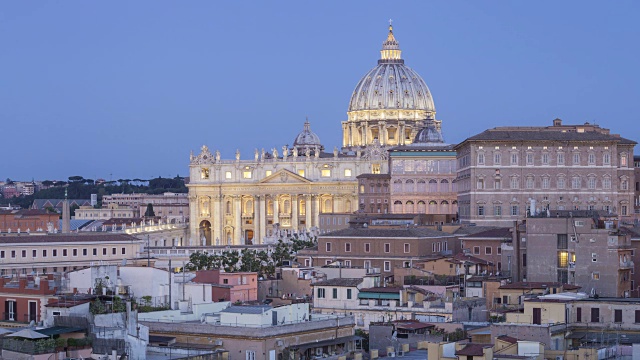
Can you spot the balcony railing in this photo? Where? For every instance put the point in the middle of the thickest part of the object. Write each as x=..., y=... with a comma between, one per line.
x=626, y=264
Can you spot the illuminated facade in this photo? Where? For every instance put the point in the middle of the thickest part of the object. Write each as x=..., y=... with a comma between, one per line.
x=246, y=201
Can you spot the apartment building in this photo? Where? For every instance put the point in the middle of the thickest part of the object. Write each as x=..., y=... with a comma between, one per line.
x=583, y=248
x=25, y=297
x=507, y=172
x=42, y=254
x=111, y=211
x=383, y=248
x=373, y=193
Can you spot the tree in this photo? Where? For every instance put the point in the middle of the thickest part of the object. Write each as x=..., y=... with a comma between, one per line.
x=47, y=183
x=250, y=261
x=230, y=260
x=76, y=179
x=72, y=209
x=149, y=212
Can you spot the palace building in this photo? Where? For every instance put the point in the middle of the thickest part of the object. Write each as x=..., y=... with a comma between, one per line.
x=244, y=201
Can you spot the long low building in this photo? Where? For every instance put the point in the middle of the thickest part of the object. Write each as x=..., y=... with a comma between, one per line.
x=25, y=253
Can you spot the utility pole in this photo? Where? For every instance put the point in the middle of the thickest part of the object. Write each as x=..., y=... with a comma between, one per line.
x=148, y=253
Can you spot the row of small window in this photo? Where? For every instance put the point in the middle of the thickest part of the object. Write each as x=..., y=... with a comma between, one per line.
x=545, y=183
x=433, y=186
x=436, y=247
x=497, y=210
x=248, y=174
x=488, y=250
x=337, y=219
x=386, y=266
x=54, y=252
x=514, y=210
x=617, y=315
x=334, y=293
x=23, y=271
x=545, y=158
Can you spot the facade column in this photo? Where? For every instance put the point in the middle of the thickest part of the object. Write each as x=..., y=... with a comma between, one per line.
x=194, y=223
x=237, y=234
x=257, y=214
x=307, y=212
x=294, y=212
x=276, y=210
x=263, y=218
x=217, y=220
x=316, y=210
x=345, y=128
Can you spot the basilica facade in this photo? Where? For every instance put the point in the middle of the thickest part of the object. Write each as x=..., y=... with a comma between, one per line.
x=245, y=201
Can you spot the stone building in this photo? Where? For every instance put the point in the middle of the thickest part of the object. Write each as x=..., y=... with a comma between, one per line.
x=31, y=220
x=506, y=172
x=284, y=190
x=373, y=193
x=582, y=248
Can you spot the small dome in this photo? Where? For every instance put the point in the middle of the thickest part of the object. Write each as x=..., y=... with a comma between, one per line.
x=430, y=134
x=391, y=85
x=307, y=139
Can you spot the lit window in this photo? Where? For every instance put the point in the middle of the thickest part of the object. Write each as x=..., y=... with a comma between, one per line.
x=623, y=160
x=326, y=172
x=375, y=168
x=347, y=172
x=268, y=173
x=204, y=173
x=246, y=174
x=301, y=172
x=227, y=174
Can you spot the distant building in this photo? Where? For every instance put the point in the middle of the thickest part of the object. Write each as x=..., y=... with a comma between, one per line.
x=10, y=191
x=507, y=172
x=230, y=286
x=56, y=204
x=27, y=220
x=168, y=206
x=111, y=211
x=24, y=297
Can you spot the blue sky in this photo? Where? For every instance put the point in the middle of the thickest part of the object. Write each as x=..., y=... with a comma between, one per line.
x=129, y=88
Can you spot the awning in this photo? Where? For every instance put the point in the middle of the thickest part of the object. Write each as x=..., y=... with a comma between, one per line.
x=372, y=295
x=313, y=345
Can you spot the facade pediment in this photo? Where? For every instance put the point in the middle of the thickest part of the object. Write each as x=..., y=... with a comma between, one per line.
x=284, y=176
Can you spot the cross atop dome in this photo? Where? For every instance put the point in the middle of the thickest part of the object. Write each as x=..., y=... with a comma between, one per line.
x=390, y=48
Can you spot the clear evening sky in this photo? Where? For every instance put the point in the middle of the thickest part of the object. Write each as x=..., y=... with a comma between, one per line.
x=130, y=87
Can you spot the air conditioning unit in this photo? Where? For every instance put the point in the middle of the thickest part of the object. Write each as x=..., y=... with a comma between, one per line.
x=218, y=343
x=559, y=357
x=400, y=353
x=279, y=343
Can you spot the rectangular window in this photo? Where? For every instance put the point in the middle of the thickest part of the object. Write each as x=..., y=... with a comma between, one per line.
x=24, y=253
x=301, y=172
x=347, y=247
x=514, y=183
x=595, y=315
x=497, y=159
x=487, y=250
x=13, y=254
x=348, y=294
x=592, y=159
x=95, y=252
x=560, y=158
x=576, y=159
x=321, y=293
x=579, y=314
x=562, y=241
x=387, y=266
x=325, y=173
x=480, y=159
x=347, y=172
x=407, y=248
x=328, y=247
x=104, y=251
x=124, y=251
x=2, y=254
x=545, y=159
x=34, y=253
x=246, y=174
x=480, y=210
x=387, y=247
x=617, y=316
x=74, y=252
x=606, y=159
x=637, y=316
x=529, y=159
x=476, y=250
x=227, y=175
x=595, y=275
x=54, y=252
x=335, y=293
x=514, y=210
x=524, y=260
x=268, y=173
x=367, y=247
x=85, y=252
x=561, y=183
x=514, y=159
x=497, y=210
x=545, y=182
x=113, y=251
x=499, y=250
x=64, y=252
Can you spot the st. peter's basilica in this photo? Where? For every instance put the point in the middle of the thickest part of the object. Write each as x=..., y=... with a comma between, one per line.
x=243, y=201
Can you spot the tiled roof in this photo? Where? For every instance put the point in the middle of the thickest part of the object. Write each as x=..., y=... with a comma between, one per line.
x=339, y=282
x=538, y=285
x=507, y=338
x=81, y=237
x=491, y=233
x=254, y=309
x=540, y=134
x=387, y=233
x=473, y=349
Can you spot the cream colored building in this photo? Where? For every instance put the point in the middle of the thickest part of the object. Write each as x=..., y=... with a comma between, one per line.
x=110, y=212
x=244, y=201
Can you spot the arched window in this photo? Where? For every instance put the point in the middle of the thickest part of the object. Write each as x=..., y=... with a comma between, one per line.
x=433, y=185
x=422, y=186
x=397, y=186
x=409, y=186
x=228, y=207
x=270, y=207
x=397, y=207
x=287, y=207
x=444, y=207
x=444, y=185
x=422, y=207
x=327, y=206
x=248, y=207
x=409, y=208
x=433, y=207
x=347, y=206
x=302, y=209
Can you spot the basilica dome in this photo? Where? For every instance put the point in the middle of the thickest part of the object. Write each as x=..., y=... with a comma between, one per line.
x=391, y=85
x=430, y=134
x=307, y=139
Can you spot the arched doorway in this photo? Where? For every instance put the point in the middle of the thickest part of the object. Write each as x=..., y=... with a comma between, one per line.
x=205, y=233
